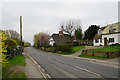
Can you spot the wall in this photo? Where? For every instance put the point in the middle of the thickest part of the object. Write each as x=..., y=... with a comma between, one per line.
x=115, y=36
x=97, y=44
x=119, y=38
x=108, y=54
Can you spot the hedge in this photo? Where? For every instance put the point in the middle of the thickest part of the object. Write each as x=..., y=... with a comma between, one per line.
x=65, y=47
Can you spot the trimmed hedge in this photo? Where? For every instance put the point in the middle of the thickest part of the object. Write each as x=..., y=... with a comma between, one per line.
x=108, y=54
x=66, y=47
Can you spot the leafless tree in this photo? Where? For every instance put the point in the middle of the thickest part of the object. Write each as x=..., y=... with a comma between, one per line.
x=69, y=26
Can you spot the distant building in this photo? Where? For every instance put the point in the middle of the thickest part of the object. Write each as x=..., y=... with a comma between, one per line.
x=61, y=38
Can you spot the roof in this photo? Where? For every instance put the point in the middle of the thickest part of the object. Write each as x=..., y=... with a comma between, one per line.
x=115, y=26
x=99, y=36
x=61, y=38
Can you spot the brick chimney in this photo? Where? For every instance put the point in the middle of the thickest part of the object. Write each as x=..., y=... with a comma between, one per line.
x=60, y=32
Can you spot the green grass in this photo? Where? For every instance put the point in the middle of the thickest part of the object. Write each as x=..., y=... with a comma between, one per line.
x=17, y=74
x=18, y=60
x=75, y=49
x=106, y=49
x=113, y=46
x=89, y=56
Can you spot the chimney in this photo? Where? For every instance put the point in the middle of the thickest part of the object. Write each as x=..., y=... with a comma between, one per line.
x=60, y=32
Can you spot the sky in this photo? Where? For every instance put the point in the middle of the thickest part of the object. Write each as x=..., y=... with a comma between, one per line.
x=47, y=16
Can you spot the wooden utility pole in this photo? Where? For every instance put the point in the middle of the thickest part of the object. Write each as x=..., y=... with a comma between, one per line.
x=21, y=33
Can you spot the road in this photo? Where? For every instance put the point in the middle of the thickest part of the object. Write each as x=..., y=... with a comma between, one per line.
x=64, y=67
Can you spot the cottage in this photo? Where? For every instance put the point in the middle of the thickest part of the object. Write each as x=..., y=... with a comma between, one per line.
x=107, y=35
x=97, y=40
x=61, y=38
x=111, y=34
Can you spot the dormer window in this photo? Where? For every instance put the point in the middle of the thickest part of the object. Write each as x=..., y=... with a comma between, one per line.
x=99, y=32
x=111, y=30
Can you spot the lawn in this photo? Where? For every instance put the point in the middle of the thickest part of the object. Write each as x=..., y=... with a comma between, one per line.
x=106, y=49
x=18, y=60
x=89, y=56
x=75, y=49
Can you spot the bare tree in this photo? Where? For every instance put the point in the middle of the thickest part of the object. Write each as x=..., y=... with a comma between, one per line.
x=69, y=26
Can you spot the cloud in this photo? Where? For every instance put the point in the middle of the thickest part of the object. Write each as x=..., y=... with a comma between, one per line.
x=47, y=16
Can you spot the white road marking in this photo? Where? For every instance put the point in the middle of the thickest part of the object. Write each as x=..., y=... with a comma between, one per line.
x=96, y=74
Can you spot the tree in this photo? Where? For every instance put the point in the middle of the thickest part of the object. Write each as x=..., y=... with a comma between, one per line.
x=27, y=44
x=44, y=39
x=69, y=26
x=36, y=40
x=3, y=47
x=13, y=35
x=91, y=32
x=78, y=33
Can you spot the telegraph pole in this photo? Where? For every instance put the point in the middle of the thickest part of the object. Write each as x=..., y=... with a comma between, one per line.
x=21, y=34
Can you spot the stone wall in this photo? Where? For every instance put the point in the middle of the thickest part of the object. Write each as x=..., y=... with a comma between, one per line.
x=109, y=54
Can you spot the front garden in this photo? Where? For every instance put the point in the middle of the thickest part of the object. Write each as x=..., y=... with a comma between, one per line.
x=102, y=53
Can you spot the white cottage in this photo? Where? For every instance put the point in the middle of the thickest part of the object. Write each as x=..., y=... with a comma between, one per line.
x=97, y=40
x=108, y=35
x=111, y=34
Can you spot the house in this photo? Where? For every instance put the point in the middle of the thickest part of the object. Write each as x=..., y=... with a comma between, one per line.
x=111, y=34
x=97, y=40
x=60, y=38
x=107, y=35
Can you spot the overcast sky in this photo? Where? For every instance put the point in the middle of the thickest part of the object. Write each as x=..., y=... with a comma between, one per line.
x=47, y=16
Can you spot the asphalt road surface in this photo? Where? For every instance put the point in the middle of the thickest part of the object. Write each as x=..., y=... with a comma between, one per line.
x=64, y=67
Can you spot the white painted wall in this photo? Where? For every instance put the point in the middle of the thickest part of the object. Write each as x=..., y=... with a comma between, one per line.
x=119, y=38
x=115, y=36
x=97, y=44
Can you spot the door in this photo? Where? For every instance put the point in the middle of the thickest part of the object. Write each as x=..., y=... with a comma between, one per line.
x=105, y=41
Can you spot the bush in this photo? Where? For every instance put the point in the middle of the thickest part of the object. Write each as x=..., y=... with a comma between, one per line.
x=12, y=48
x=75, y=43
x=11, y=42
x=116, y=44
x=11, y=51
x=66, y=47
x=27, y=44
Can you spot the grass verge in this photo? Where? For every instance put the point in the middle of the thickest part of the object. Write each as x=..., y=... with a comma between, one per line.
x=18, y=60
x=106, y=49
x=75, y=49
x=89, y=56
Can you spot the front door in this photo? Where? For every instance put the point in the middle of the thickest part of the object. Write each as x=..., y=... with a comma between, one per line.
x=105, y=41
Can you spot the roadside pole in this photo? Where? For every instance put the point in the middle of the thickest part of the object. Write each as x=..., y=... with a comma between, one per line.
x=21, y=48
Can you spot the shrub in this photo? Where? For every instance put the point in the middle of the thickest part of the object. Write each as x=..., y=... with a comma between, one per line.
x=11, y=42
x=3, y=47
x=75, y=43
x=116, y=44
x=12, y=48
x=66, y=47
x=27, y=44
x=11, y=51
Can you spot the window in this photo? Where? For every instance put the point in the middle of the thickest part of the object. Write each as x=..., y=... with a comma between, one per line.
x=101, y=40
x=96, y=40
x=111, y=30
x=111, y=39
x=99, y=32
